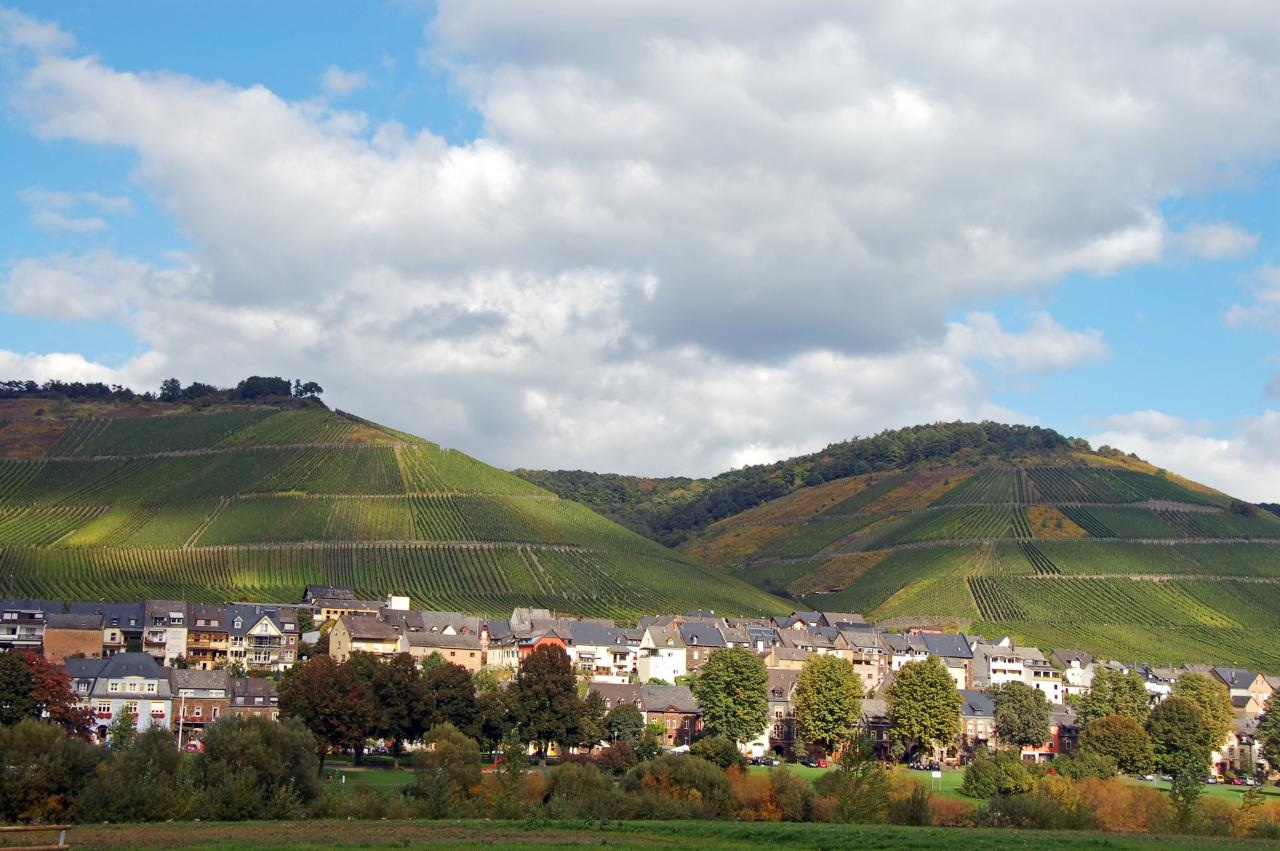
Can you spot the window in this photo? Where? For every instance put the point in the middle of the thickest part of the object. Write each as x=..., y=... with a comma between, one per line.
x=104, y=707
x=151, y=688
x=215, y=713
x=197, y=711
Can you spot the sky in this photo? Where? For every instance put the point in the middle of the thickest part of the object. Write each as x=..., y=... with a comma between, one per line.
x=660, y=237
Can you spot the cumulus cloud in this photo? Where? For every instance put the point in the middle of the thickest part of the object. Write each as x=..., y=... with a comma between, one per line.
x=1046, y=345
x=687, y=237
x=1264, y=310
x=1244, y=463
x=1217, y=240
x=64, y=366
x=340, y=83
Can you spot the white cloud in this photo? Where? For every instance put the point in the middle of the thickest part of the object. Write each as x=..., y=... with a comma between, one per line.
x=64, y=366
x=55, y=210
x=1264, y=311
x=687, y=237
x=1244, y=463
x=1217, y=240
x=1046, y=345
x=340, y=83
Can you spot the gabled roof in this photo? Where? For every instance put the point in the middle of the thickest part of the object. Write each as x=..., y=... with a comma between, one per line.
x=284, y=617
x=331, y=592
x=615, y=694
x=781, y=683
x=246, y=690
x=701, y=635
x=192, y=678
x=1065, y=657
x=976, y=704
x=46, y=606
x=595, y=634
x=667, y=699
x=948, y=646
x=368, y=629
x=86, y=622
x=665, y=636
x=207, y=613
x=113, y=614
x=459, y=641
x=836, y=619
x=1235, y=677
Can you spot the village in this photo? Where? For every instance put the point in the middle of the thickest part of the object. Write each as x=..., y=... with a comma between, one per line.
x=183, y=666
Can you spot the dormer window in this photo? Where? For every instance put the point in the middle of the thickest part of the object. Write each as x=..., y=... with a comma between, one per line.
x=239, y=622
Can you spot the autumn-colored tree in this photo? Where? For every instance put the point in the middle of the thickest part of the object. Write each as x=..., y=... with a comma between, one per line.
x=924, y=704
x=32, y=687
x=333, y=703
x=827, y=701
x=1214, y=700
x=1123, y=739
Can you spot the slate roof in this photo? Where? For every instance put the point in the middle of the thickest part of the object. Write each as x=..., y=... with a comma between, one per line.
x=246, y=691
x=197, y=680
x=701, y=635
x=207, y=613
x=976, y=704
x=371, y=629
x=947, y=645
x=251, y=614
x=596, y=634
x=664, y=698
x=85, y=622
x=1065, y=657
x=835, y=619
x=113, y=614
x=1235, y=677
x=460, y=641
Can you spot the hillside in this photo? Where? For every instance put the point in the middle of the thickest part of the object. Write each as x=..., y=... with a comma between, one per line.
x=210, y=502
x=1053, y=543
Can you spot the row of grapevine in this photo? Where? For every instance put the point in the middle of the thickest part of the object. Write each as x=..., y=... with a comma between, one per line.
x=387, y=519
x=14, y=476
x=1077, y=484
x=293, y=427
x=994, y=485
x=1042, y=563
x=863, y=498
x=992, y=600
x=1147, y=486
x=973, y=522
x=418, y=474
x=1086, y=521
x=41, y=526
x=77, y=434
x=170, y=432
x=1123, y=558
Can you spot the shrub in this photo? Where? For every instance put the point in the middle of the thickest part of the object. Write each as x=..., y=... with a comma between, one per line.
x=699, y=786
x=857, y=791
x=1082, y=764
x=447, y=773
x=254, y=768
x=792, y=794
x=144, y=782
x=1120, y=806
x=948, y=812
x=1054, y=804
x=909, y=803
x=1003, y=774
x=753, y=795
x=617, y=758
x=43, y=771
x=720, y=751
x=576, y=791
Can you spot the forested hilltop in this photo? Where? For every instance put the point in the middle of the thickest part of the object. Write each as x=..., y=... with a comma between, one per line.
x=671, y=510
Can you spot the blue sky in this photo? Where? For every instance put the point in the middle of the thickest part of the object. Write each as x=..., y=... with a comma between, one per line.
x=655, y=239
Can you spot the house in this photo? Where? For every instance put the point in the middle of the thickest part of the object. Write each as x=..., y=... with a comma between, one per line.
x=165, y=629
x=133, y=683
x=362, y=634
x=121, y=624
x=838, y=620
x=262, y=637
x=878, y=726
x=799, y=620
x=1239, y=680
x=781, y=733
x=22, y=623
x=905, y=648
x=208, y=636
x=671, y=707
x=662, y=654
x=867, y=654
x=955, y=653
x=1241, y=752
x=674, y=709
x=254, y=697
x=1064, y=735
x=997, y=663
x=200, y=698
x=1039, y=673
x=462, y=650
x=1076, y=667
x=785, y=657
x=598, y=649
x=977, y=723
x=700, y=641
x=66, y=636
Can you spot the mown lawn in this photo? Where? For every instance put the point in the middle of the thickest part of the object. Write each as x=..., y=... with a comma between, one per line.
x=713, y=836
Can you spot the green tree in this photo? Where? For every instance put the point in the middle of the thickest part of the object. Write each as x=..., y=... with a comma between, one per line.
x=732, y=691
x=330, y=701
x=451, y=698
x=122, y=730
x=1179, y=736
x=593, y=731
x=1123, y=739
x=1214, y=699
x=170, y=390
x=1114, y=693
x=624, y=723
x=545, y=702
x=827, y=701
x=1022, y=715
x=401, y=702
x=859, y=785
x=446, y=772
x=924, y=704
x=254, y=768
x=493, y=722
x=1268, y=733
x=44, y=771
x=31, y=687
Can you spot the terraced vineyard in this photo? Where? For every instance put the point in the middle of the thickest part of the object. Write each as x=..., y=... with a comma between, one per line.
x=1071, y=548
x=253, y=502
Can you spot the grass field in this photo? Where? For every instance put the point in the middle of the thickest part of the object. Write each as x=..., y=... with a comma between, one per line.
x=714, y=836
